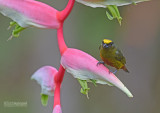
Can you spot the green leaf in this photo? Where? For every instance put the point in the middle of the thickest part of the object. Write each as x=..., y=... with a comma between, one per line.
x=44, y=99
x=84, y=90
x=114, y=13
x=94, y=82
x=16, y=31
x=109, y=16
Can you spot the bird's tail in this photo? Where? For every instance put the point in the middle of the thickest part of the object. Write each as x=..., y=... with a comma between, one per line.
x=125, y=69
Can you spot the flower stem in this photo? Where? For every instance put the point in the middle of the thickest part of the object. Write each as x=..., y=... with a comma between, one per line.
x=57, y=96
x=58, y=80
x=59, y=76
x=61, y=42
x=64, y=13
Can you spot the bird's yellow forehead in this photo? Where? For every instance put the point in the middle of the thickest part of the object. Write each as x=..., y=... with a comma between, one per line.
x=107, y=41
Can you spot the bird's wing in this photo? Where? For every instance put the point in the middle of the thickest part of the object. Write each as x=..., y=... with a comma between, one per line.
x=119, y=56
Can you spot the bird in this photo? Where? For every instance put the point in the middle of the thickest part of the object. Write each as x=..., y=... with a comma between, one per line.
x=112, y=56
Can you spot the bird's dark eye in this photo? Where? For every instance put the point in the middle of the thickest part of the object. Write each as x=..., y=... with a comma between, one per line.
x=111, y=43
x=105, y=45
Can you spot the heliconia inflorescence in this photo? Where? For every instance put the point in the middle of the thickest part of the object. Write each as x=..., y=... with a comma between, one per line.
x=31, y=13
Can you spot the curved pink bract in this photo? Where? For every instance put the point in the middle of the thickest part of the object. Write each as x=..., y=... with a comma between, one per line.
x=83, y=66
x=30, y=13
x=45, y=77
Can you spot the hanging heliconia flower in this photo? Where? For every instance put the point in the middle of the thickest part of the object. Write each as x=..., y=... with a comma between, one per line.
x=111, y=5
x=45, y=78
x=29, y=13
x=105, y=3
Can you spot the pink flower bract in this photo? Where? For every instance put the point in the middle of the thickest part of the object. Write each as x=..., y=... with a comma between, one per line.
x=30, y=13
x=45, y=77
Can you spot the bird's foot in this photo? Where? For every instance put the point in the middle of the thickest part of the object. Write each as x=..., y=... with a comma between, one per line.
x=113, y=72
x=100, y=62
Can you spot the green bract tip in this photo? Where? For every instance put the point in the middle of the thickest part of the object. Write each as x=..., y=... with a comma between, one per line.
x=113, y=9
x=44, y=99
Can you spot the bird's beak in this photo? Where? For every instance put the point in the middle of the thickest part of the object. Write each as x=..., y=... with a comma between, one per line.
x=105, y=45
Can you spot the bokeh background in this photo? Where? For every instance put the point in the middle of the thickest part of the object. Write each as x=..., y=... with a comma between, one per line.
x=84, y=29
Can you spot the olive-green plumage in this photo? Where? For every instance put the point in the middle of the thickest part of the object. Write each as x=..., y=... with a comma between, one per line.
x=111, y=55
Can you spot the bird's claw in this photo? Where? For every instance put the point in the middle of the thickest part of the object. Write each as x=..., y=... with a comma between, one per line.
x=100, y=62
x=113, y=72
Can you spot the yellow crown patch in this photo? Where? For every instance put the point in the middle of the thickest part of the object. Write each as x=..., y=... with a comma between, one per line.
x=107, y=41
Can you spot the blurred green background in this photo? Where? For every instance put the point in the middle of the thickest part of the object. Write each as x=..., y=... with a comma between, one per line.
x=84, y=29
